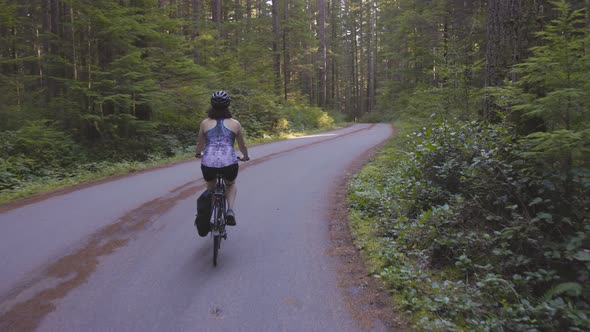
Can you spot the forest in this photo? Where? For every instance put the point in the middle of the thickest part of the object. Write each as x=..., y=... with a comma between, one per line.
x=475, y=216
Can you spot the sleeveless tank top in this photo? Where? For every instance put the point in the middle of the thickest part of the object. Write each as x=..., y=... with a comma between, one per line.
x=219, y=147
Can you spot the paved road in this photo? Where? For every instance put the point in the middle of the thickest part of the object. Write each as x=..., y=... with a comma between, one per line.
x=124, y=255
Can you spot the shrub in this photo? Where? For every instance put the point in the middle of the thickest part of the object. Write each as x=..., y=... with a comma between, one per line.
x=42, y=144
x=477, y=234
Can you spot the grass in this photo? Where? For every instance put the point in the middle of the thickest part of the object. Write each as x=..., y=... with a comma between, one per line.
x=45, y=185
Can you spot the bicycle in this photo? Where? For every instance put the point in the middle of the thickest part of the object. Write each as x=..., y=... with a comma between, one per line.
x=219, y=210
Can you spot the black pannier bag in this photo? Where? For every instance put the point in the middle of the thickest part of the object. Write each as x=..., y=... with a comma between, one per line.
x=202, y=221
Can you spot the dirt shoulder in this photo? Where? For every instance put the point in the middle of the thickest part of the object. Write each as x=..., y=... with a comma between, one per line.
x=369, y=302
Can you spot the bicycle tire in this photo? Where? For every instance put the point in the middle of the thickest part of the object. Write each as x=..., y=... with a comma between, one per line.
x=216, y=245
x=219, y=208
x=216, y=237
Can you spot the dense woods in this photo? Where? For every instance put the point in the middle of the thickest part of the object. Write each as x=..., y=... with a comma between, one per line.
x=83, y=83
x=477, y=218
x=479, y=214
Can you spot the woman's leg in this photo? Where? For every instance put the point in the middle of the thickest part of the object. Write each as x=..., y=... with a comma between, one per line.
x=231, y=191
x=230, y=175
x=209, y=175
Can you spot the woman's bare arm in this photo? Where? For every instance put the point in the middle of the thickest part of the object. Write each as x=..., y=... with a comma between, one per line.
x=242, y=142
x=201, y=140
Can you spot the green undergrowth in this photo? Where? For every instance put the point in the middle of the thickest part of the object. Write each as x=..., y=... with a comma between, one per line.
x=470, y=232
x=53, y=180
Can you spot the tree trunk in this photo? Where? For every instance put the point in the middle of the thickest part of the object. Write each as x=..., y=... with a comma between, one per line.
x=371, y=58
x=507, y=44
x=335, y=42
x=360, y=72
x=286, y=55
x=354, y=69
x=216, y=15
x=195, y=17
x=249, y=14
x=275, y=45
x=74, y=53
x=322, y=52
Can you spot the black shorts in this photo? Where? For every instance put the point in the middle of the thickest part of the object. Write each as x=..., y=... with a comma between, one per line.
x=229, y=173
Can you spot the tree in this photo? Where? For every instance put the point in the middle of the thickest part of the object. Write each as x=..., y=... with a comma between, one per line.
x=556, y=79
x=372, y=57
x=509, y=31
x=286, y=50
x=275, y=45
x=323, y=65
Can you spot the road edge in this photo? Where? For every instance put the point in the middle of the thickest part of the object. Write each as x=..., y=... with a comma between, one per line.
x=367, y=299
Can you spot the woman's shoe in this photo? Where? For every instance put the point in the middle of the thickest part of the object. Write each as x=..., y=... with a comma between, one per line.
x=230, y=218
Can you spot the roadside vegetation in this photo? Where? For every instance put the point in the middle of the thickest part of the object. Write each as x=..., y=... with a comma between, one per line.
x=485, y=225
x=471, y=233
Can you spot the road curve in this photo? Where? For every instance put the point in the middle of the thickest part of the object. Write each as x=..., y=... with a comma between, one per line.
x=123, y=255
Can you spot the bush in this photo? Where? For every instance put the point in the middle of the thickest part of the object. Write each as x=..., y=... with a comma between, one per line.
x=41, y=142
x=36, y=150
x=475, y=234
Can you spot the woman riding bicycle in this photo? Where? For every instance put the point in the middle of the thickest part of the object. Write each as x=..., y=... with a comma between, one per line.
x=215, y=147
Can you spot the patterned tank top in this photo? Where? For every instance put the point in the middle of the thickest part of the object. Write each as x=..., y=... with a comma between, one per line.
x=219, y=147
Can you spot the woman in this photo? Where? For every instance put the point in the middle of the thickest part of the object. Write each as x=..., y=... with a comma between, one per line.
x=217, y=135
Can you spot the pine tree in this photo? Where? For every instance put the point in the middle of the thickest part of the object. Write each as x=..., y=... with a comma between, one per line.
x=558, y=92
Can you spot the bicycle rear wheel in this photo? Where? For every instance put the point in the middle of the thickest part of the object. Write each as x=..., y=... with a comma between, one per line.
x=217, y=231
x=216, y=246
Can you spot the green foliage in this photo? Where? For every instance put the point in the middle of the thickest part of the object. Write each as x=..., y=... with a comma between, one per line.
x=42, y=142
x=557, y=73
x=262, y=116
x=485, y=227
x=433, y=58
x=554, y=89
x=475, y=235
x=35, y=151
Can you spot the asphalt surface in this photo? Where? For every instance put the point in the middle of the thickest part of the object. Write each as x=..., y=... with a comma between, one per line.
x=124, y=255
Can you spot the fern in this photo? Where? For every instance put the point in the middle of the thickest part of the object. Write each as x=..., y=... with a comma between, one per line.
x=573, y=289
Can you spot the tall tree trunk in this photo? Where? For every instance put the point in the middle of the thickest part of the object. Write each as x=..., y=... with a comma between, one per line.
x=46, y=47
x=74, y=53
x=355, y=70
x=249, y=14
x=216, y=15
x=507, y=44
x=286, y=55
x=312, y=89
x=195, y=28
x=275, y=45
x=335, y=42
x=52, y=28
x=359, y=63
x=195, y=17
x=348, y=61
x=322, y=52
x=371, y=57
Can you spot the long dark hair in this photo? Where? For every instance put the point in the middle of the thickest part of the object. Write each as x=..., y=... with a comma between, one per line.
x=219, y=113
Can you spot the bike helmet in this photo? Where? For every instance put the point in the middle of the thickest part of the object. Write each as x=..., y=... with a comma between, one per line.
x=220, y=99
